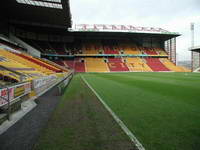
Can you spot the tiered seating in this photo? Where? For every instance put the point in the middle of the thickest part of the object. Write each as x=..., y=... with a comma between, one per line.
x=37, y=61
x=132, y=51
x=156, y=65
x=24, y=61
x=171, y=65
x=160, y=51
x=149, y=51
x=137, y=64
x=18, y=67
x=69, y=63
x=79, y=66
x=10, y=76
x=184, y=69
x=116, y=65
x=7, y=77
x=96, y=65
x=61, y=63
x=89, y=49
x=108, y=50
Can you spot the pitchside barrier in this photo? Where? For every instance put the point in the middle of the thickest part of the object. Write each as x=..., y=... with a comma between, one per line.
x=41, y=84
x=65, y=82
x=12, y=93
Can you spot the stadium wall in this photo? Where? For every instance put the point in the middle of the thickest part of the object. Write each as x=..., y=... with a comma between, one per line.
x=32, y=51
x=3, y=26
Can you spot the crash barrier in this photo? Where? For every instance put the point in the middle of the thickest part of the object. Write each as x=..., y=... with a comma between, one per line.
x=12, y=93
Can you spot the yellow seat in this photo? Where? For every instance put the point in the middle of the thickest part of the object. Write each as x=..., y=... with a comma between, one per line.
x=89, y=49
x=18, y=67
x=171, y=65
x=24, y=61
x=137, y=64
x=96, y=65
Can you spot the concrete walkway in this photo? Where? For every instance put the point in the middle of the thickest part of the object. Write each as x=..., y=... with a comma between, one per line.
x=24, y=134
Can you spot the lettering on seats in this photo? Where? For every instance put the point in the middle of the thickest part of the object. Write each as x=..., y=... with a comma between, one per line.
x=122, y=65
x=112, y=65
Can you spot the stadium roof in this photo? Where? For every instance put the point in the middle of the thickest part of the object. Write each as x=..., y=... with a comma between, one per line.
x=117, y=35
x=195, y=49
x=122, y=31
x=52, y=13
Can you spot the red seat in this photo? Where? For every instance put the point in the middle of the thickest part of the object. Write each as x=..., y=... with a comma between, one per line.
x=38, y=62
x=116, y=65
x=79, y=66
x=156, y=65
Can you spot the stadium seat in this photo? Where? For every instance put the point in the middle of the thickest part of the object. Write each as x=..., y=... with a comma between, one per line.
x=39, y=62
x=131, y=50
x=24, y=61
x=156, y=65
x=89, y=49
x=161, y=52
x=18, y=67
x=96, y=65
x=149, y=51
x=79, y=67
x=108, y=50
x=69, y=63
x=172, y=66
x=137, y=65
x=116, y=65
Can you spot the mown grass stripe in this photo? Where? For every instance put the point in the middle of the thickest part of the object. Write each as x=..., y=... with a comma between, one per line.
x=116, y=118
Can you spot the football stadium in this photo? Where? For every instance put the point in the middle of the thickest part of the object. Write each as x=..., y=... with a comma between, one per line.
x=66, y=86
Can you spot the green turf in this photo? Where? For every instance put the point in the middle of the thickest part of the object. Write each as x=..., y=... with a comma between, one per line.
x=80, y=122
x=161, y=109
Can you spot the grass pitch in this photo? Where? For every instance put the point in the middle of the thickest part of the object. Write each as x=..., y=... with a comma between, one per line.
x=161, y=109
x=80, y=122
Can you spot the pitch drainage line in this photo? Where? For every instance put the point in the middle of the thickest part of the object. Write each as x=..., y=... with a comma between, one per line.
x=116, y=118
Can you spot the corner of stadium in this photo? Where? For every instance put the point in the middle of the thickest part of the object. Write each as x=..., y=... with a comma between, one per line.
x=92, y=86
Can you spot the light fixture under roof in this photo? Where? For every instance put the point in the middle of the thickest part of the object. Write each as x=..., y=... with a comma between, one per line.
x=43, y=3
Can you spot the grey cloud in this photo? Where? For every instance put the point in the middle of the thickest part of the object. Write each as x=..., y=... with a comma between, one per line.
x=174, y=15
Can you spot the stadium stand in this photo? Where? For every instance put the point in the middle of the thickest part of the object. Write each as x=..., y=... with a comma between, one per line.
x=147, y=57
x=137, y=65
x=161, y=51
x=149, y=51
x=156, y=65
x=7, y=77
x=171, y=65
x=116, y=65
x=79, y=65
x=132, y=50
x=96, y=65
x=39, y=62
x=16, y=66
x=89, y=49
x=24, y=61
x=69, y=63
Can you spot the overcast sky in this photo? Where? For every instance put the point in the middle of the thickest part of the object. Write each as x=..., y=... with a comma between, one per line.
x=172, y=15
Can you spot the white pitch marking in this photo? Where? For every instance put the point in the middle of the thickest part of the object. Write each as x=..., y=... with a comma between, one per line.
x=116, y=118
